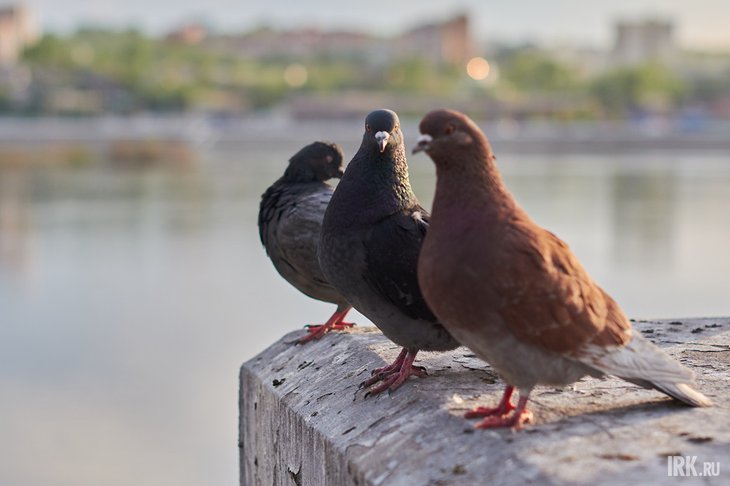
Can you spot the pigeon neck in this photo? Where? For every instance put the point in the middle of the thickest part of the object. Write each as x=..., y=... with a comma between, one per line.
x=378, y=184
x=473, y=183
x=386, y=177
x=299, y=173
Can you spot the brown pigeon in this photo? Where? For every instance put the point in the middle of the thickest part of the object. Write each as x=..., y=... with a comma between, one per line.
x=513, y=292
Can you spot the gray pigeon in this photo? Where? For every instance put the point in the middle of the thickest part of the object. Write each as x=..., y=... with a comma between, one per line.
x=290, y=220
x=371, y=237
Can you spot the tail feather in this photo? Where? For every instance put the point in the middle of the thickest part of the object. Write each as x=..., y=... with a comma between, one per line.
x=644, y=364
x=684, y=393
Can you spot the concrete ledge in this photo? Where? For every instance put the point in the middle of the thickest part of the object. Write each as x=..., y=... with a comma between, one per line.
x=304, y=422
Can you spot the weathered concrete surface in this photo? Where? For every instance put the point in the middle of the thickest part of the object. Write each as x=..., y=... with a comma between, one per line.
x=304, y=421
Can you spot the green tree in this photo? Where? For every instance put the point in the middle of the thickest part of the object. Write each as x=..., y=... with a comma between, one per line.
x=51, y=51
x=532, y=71
x=651, y=87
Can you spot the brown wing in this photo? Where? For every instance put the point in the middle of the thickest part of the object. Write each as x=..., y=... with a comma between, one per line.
x=548, y=299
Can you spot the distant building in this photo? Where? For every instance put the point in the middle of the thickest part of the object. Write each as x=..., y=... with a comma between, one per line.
x=644, y=41
x=188, y=34
x=299, y=44
x=18, y=29
x=587, y=61
x=447, y=42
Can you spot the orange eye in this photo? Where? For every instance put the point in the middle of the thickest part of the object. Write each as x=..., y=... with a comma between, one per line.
x=449, y=129
x=367, y=127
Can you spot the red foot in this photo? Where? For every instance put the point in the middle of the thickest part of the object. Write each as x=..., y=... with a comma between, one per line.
x=391, y=368
x=316, y=331
x=519, y=418
x=516, y=421
x=393, y=375
x=505, y=406
x=341, y=326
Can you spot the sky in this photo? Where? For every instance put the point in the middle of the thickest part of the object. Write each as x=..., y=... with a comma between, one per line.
x=700, y=23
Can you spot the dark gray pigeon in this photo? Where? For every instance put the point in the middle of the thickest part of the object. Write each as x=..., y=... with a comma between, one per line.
x=371, y=237
x=290, y=220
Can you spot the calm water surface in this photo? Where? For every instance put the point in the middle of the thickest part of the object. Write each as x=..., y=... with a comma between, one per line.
x=129, y=298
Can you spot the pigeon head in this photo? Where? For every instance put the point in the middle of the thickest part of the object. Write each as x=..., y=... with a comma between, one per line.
x=449, y=132
x=382, y=130
x=318, y=161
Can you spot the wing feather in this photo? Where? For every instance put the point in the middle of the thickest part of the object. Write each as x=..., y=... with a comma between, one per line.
x=549, y=300
x=392, y=249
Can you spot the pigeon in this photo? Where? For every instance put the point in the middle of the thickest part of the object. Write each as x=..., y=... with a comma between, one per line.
x=290, y=220
x=514, y=293
x=371, y=238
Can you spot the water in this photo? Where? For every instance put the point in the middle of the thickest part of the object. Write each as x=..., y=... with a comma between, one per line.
x=129, y=298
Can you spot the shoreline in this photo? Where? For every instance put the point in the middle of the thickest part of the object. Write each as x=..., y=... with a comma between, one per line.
x=209, y=132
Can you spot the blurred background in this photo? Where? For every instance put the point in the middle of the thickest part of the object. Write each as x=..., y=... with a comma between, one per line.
x=136, y=138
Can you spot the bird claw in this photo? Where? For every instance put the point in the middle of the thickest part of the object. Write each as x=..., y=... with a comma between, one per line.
x=339, y=326
x=505, y=406
x=374, y=379
x=500, y=411
x=394, y=367
x=316, y=331
x=393, y=375
x=344, y=325
x=419, y=371
x=386, y=370
x=391, y=382
x=516, y=421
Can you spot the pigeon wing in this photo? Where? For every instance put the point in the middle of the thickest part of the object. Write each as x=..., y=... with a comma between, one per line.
x=297, y=234
x=548, y=299
x=392, y=249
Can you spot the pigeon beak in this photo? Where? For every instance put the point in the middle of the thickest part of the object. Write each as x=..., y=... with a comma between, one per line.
x=382, y=139
x=422, y=144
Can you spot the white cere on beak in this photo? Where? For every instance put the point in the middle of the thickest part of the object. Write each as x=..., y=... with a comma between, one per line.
x=382, y=139
x=423, y=143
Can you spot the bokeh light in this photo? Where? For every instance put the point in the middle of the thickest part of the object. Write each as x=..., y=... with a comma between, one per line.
x=295, y=75
x=478, y=68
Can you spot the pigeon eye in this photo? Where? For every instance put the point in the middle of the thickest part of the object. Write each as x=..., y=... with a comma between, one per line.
x=367, y=127
x=449, y=130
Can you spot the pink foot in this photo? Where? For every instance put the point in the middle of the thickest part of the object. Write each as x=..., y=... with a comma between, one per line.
x=516, y=421
x=505, y=406
x=391, y=368
x=341, y=326
x=335, y=322
x=520, y=417
x=394, y=375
